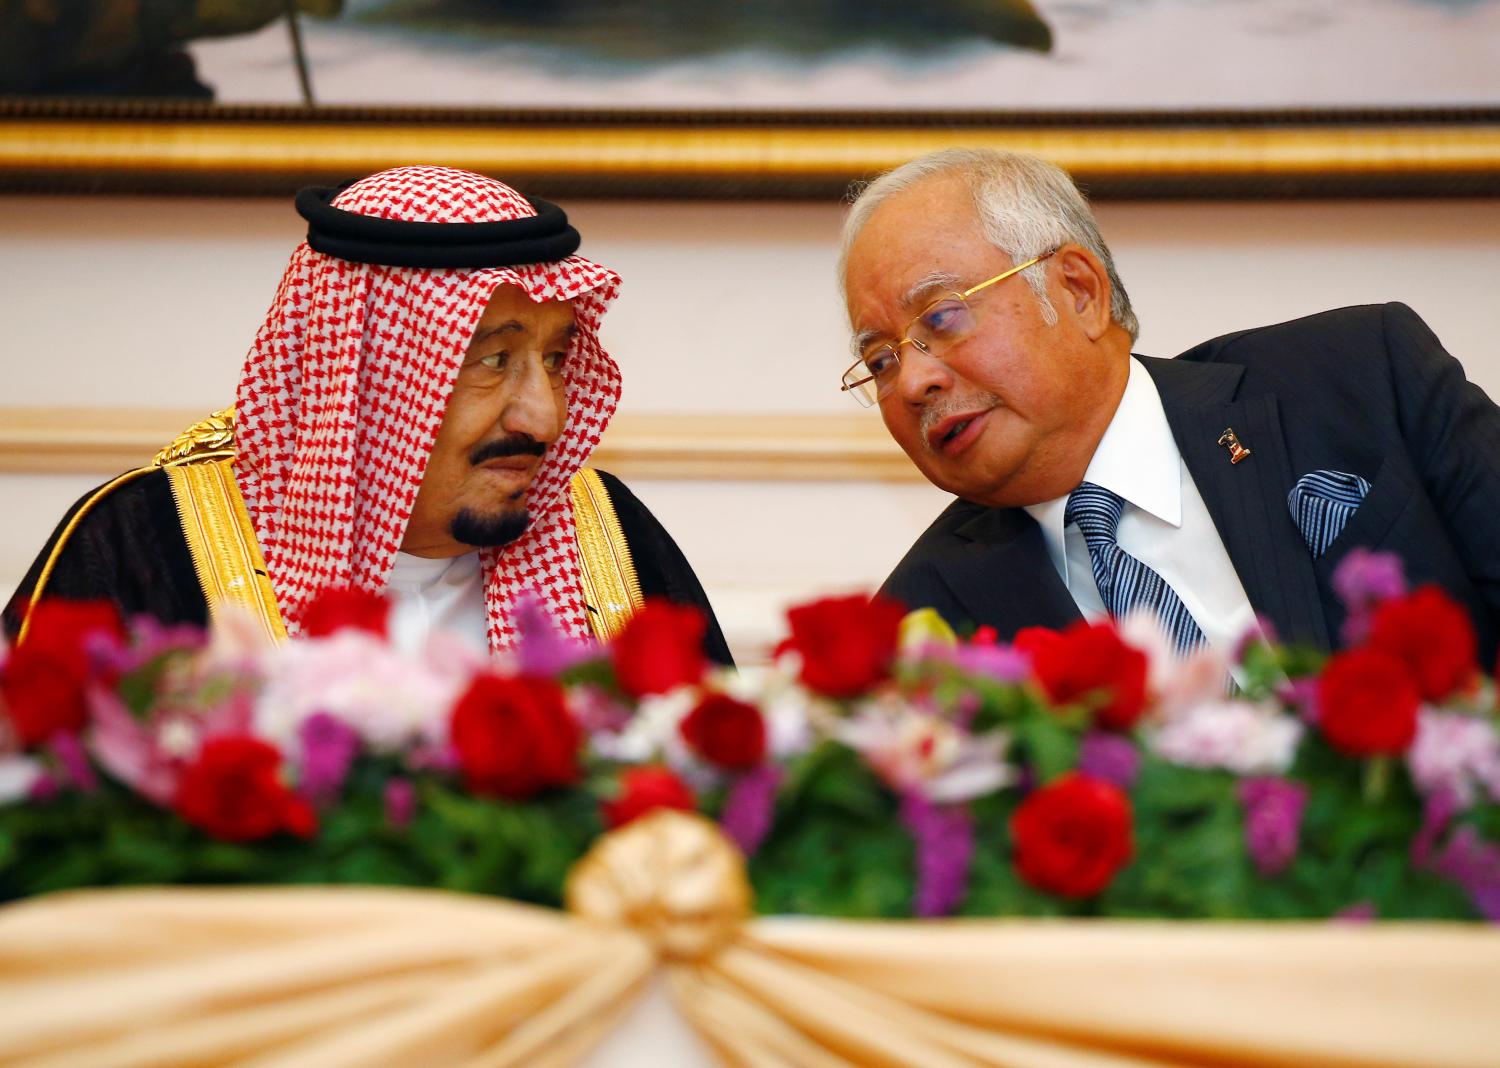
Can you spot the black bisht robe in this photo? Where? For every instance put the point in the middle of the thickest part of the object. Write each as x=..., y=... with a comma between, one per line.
x=130, y=550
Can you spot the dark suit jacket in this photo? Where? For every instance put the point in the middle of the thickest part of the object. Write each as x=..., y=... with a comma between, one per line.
x=1367, y=390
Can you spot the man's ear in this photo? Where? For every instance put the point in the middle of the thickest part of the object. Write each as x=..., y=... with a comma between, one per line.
x=1086, y=283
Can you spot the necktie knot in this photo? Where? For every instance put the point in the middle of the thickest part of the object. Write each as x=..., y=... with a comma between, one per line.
x=1124, y=582
x=1097, y=512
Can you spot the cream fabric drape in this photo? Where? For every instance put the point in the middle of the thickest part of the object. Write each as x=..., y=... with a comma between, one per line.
x=324, y=978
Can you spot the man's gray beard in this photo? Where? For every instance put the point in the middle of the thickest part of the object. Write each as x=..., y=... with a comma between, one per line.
x=942, y=409
x=488, y=531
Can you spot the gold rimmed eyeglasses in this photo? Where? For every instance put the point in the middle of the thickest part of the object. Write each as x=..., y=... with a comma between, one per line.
x=943, y=323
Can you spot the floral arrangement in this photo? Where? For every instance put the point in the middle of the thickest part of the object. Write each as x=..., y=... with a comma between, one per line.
x=881, y=766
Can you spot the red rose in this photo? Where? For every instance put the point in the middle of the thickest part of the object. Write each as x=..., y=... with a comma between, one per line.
x=1072, y=835
x=47, y=673
x=43, y=697
x=514, y=736
x=338, y=607
x=726, y=732
x=1432, y=633
x=846, y=643
x=660, y=649
x=1367, y=702
x=233, y=790
x=643, y=790
x=1088, y=663
x=60, y=626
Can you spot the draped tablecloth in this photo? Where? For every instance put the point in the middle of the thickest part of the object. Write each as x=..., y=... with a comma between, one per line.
x=296, y=977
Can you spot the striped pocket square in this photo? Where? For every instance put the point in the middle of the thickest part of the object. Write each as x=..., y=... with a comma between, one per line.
x=1321, y=504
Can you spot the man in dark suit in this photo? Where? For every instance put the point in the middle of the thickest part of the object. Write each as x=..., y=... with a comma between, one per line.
x=1228, y=484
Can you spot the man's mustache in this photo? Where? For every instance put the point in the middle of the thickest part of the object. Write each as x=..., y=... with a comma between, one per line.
x=942, y=409
x=514, y=445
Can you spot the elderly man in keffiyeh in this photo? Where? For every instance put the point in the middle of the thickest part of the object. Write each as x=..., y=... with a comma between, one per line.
x=414, y=417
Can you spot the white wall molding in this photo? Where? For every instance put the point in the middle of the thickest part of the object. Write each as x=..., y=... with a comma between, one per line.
x=738, y=446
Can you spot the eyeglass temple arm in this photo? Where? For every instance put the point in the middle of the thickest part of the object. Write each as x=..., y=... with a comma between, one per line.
x=1003, y=275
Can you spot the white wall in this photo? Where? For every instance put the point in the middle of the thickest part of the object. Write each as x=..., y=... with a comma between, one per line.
x=726, y=307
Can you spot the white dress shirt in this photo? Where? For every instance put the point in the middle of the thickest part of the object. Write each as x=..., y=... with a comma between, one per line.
x=446, y=594
x=1165, y=523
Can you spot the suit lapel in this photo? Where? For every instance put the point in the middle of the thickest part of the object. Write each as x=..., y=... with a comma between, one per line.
x=1246, y=500
x=1002, y=575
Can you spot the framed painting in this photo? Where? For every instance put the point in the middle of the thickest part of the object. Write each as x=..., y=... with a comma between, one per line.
x=716, y=98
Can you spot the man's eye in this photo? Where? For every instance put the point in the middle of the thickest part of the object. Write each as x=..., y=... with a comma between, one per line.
x=495, y=361
x=881, y=362
x=945, y=318
x=555, y=362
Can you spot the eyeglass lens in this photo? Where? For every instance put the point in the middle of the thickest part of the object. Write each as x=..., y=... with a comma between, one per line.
x=940, y=324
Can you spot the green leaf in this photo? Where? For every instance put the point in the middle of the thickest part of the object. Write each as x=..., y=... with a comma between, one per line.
x=1047, y=744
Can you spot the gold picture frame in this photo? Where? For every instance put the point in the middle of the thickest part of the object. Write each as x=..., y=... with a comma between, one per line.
x=111, y=146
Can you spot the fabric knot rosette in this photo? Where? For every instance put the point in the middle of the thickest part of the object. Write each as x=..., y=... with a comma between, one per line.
x=346, y=384
x=674, y=879
x=306, y=977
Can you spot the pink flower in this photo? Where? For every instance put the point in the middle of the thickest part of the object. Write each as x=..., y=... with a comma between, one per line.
x=1175, y=681
x=1362, y=581
x=1245, y=738
x=920, y=752
x=543, y=648
x=1457, y=754
x=130, y=751
x=394, y=701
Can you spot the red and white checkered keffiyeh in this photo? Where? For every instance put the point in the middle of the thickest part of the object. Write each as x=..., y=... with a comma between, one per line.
x=346, y=384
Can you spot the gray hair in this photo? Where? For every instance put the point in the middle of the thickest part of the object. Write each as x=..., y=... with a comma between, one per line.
x=1025, y=205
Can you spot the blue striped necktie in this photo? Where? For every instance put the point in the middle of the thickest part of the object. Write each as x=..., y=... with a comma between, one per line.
x=1125, y=583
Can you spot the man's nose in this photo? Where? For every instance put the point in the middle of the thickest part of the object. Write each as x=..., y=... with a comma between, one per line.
x=919, y=374
x=532, y=405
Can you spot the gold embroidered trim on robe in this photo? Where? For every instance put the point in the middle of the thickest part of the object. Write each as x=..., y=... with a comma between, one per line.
x=222, y=541
x=226, y=554
x=610, y=585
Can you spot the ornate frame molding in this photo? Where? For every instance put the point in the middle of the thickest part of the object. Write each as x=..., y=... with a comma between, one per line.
x=133, y=147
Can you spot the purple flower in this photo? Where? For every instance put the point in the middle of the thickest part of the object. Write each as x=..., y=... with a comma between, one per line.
x=1466, y=859
x=400, y=803
x=1105, y=755
x=1439, y=811
x=544, y=650
x=1473, y=864
x=74, y=760
x=944, y=840
x=328, y=746
x=1273, y=821
x=1359, y=912
x=45, y=788
x=750, y=806
x=1362, y=580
